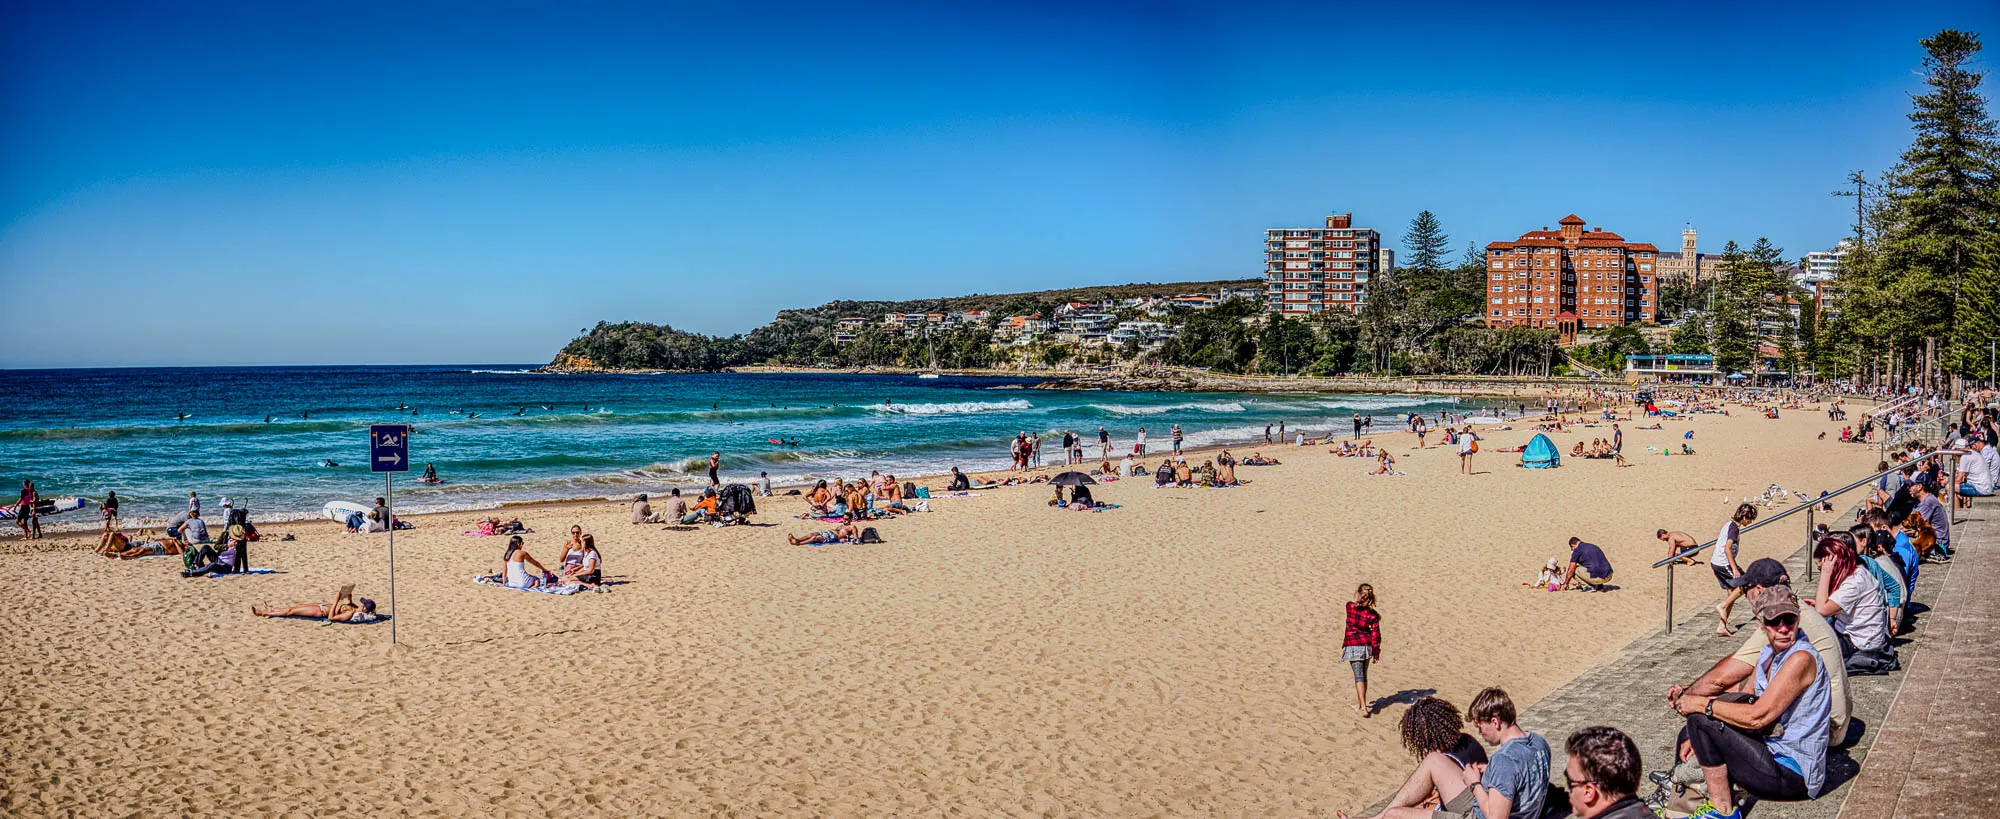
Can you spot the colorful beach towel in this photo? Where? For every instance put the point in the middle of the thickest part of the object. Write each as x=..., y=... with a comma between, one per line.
x=564, y=589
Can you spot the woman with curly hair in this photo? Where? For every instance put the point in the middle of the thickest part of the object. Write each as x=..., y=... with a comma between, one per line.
x=1433, y=731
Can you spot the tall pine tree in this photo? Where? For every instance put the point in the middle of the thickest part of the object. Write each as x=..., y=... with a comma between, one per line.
x=1938, y=213
x=1426, y=242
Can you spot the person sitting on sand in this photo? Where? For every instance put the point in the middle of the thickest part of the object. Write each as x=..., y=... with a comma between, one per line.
x=959, y=482
x=1433, y=731
x=819, y=502
x=1225, y=470
x=1551, y=577
x=587, y=566
x=703, y=510
x=1163, y=475
x=642, y=511
x=517, y=560
x=846, y=531
x=1183, y=476
x=210, y=562
x=1345, y=449
x=1205, y=474
x=1685, y=449
x=345, y=608
x=1127, y=467
x=1385, y=464
x=1576, y=451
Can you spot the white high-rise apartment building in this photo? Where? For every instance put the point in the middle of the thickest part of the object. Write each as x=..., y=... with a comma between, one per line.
x=1822, y=265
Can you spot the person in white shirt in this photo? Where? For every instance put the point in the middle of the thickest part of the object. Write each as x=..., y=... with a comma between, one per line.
x=1975, y=473
x=1723, y=562
x=764, y=484
x=1125, y=466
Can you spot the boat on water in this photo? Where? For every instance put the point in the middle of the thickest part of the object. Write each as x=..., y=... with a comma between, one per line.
x=927, y=375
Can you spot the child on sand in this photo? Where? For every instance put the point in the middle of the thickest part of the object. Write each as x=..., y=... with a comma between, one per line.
x=1361, y=643
x=1551, y=577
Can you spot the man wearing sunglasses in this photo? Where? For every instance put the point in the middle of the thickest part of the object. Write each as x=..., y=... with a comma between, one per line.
x=1773, y=745
x=1603, y=775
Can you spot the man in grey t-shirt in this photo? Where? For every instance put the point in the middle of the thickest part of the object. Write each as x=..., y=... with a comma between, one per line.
x=1515, y=783
x=1934, y=512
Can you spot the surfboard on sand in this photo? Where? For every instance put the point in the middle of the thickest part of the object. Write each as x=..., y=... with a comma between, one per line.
x=45, y=507
x=339, y=510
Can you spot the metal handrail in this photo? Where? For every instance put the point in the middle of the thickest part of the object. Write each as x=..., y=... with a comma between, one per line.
x=1690, y=551
x=1807, y=507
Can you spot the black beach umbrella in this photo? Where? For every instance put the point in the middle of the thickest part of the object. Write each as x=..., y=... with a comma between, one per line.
x=1071, y=478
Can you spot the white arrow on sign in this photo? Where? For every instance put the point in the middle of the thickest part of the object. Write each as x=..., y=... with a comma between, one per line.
x=391, y=458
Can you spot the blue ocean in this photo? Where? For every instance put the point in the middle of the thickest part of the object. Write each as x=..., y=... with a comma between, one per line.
x=285, y=440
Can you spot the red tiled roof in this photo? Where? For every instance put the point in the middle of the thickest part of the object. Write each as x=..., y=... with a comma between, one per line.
x=1566, y=315
x=1571, y=219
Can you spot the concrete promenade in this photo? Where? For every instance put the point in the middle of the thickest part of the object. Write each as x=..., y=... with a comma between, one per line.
x=1921, y=738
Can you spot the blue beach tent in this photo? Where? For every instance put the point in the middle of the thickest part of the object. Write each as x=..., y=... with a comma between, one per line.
x=1541, y=453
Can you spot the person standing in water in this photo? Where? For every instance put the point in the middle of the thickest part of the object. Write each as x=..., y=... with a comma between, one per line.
x=714, y=469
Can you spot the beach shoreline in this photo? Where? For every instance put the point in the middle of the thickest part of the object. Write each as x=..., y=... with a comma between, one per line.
x=1176, y=655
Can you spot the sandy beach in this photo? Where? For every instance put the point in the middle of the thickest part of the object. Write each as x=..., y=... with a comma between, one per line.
x=1177, y=656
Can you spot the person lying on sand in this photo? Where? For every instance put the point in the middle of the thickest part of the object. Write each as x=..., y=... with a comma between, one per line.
x=344, y=609
x=844, y=532
x=1258, y=459
x=116, y=546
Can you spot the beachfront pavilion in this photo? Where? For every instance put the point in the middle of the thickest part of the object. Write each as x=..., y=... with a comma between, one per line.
x=1674, y=366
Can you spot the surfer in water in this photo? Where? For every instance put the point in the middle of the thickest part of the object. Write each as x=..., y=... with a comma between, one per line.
x=267, y=419
x=330, y=463
x=472, y=415
x=430, y=474
x=180, y=416
x=521, y=411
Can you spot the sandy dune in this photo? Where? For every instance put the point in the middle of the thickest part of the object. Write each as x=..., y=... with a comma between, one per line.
x=1178, y=656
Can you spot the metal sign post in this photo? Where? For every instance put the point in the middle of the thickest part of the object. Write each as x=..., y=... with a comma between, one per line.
x=389, y=453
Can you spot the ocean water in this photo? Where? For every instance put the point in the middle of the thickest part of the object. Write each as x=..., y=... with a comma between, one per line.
x=262, y=436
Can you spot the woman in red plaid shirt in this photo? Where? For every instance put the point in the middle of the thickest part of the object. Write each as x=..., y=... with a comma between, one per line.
x=1362, y=644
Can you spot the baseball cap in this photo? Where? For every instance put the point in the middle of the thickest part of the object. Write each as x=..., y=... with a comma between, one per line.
x=1762, y=572
x=1774, y=602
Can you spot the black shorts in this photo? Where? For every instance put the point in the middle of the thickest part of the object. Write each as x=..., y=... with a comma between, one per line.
x=1723, y=576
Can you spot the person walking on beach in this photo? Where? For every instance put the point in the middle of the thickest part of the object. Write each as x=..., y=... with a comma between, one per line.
x=1357, y=426
x=1361, y=643
x=194, y=504
x=714, y=468
x=1617, y=440
x=1104, y=443
x=1035, y=448
x=1139, y=448
x=1422, y=430
x=1267, y=433
x=25, y=514
x=109, y=509
x=1468, y=444
x=1723, y=562
x=1177, y=439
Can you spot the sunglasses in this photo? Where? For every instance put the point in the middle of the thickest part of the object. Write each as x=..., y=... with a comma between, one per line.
x=1572, y=783
x=1783, y=621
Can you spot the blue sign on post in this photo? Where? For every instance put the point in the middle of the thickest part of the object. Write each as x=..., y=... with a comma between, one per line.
x=389, y=448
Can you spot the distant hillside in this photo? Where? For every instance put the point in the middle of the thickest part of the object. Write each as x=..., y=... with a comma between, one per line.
x=805, y=334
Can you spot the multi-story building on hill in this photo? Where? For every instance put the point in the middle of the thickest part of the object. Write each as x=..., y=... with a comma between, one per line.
x=1571, y=279
x=1307, y=270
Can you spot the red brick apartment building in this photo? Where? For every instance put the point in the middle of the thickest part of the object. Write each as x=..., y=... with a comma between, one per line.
x=1307, y=270
x=1595, y=276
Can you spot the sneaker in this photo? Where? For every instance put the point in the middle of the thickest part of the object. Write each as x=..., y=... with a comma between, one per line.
x=1706, y=810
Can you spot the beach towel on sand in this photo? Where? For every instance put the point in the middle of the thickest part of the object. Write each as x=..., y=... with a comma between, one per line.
x=246, y=571
x=562, y=589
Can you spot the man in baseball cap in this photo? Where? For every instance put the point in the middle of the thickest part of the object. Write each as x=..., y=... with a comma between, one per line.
x=1732, y=673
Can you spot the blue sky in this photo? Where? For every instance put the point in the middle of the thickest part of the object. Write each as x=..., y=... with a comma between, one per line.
x=415, y=182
